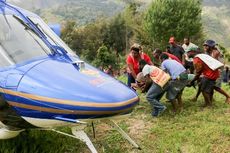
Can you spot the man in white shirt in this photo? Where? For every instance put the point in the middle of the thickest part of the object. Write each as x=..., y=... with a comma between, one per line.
x=187, y=45
x=156, y=91
x=190, y=51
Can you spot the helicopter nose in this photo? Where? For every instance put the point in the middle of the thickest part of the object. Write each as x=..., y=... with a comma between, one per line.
x=59, y=88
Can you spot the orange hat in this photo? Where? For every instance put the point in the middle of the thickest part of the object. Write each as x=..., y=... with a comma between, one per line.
x=172, y=40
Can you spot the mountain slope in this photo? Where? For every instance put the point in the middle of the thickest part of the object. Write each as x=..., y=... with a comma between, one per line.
x=81, y=11
x=216, y=20
x=215, y=13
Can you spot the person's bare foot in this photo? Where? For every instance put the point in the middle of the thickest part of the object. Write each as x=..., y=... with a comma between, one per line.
x=204, y=106
x=194, y=99
x=228, y=100
x=180, y=109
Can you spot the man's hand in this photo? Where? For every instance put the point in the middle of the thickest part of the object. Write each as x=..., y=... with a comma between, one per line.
x=134, y=86
x=191, y=84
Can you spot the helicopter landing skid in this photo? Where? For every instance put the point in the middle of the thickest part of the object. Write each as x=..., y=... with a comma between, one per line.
x=78, y=133
x=81, y=135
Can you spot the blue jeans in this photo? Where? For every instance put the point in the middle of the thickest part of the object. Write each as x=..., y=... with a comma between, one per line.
x=154, y=95
x=130, y=79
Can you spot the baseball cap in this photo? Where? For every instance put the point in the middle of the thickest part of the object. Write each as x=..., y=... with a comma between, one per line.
x=140, y=77
x=210, y=43
x=146, y=70
x=192, y=48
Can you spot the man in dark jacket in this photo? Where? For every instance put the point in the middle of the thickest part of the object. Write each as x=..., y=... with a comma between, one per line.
x=177, y=50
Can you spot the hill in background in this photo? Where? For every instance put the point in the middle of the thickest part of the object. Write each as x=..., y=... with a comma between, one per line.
x=215, y=14
x=81, y=11
x=216, y=20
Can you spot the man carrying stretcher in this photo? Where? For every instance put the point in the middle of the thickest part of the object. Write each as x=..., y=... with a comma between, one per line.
x=207, y=66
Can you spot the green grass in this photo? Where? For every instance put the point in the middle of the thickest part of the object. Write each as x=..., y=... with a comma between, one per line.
x=194, y=130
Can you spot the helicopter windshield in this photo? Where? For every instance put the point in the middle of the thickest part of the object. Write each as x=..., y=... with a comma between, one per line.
x=51, y=36
x=18, y=43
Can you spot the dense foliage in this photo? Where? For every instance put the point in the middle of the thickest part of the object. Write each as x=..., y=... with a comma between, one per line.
x=215, y=13
x=150, y=28
x=115, y=34
x=179, y=18
x=104, y=57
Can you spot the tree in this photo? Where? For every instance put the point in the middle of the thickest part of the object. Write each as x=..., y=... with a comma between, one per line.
x=84, y=40
x=178, y=18
x=104, y=57
x=91, y=40
x=133, y=21
x=115, y=34
x=225, y=53
x=67, y=33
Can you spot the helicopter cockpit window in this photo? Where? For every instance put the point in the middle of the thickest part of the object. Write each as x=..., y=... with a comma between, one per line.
x=4, y=60
x=18, y=43
x=51, y=36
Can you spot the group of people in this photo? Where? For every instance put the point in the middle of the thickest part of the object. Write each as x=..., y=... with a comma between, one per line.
x=108, y=70
x=174, y=69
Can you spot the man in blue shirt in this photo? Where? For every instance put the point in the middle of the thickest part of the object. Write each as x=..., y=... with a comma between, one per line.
x=173, y=67
x=178, y=82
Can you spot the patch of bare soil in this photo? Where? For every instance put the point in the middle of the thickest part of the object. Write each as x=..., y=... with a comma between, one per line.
x=102, y=129
x=138, y=128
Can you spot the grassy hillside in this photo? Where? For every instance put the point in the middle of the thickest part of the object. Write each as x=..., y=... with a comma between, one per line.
x=194, y=130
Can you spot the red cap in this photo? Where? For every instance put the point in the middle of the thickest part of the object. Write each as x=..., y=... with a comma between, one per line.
x=172, y=40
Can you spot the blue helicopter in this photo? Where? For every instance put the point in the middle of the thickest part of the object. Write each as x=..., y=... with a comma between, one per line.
x=44, y=85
